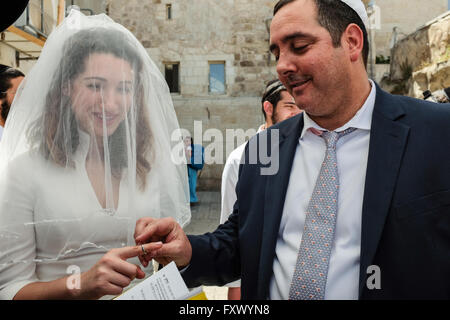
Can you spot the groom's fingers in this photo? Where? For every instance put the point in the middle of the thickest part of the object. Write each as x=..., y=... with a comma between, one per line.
x=176, y=245
x=157, y=230
x=179, y=251
x=141, y=224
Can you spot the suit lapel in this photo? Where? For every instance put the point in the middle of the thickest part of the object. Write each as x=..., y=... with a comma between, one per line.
x=275, y=193
x=388, y=139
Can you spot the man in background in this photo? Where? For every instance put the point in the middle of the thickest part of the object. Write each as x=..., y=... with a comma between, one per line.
x=277, y=105
x=10, y=80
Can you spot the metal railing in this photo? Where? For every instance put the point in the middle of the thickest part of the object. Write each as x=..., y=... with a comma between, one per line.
x=37, y=19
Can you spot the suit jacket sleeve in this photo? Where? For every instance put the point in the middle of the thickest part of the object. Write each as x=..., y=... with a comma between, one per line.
x=215, y=256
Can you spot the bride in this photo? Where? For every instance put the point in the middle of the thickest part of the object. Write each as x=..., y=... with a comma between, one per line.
x=85, y=154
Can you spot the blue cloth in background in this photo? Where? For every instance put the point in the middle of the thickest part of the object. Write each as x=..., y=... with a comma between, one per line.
x=192, y=175
x=196, y=163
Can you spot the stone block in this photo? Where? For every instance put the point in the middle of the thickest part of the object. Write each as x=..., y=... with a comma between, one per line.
x=247, y=64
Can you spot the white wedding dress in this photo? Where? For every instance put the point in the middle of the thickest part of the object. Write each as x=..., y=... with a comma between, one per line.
x=59, y=239
x=117, y=114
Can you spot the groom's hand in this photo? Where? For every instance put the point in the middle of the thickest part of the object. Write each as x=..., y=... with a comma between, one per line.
x=176, y=246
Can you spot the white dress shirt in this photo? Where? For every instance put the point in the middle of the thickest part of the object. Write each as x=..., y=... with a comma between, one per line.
x=228, y=191
x=230, y=177
x=352, y=153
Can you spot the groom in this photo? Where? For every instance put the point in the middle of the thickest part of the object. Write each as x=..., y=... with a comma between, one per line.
x=360, y=207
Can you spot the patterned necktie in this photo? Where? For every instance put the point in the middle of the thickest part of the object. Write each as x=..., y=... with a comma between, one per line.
x=311, y=269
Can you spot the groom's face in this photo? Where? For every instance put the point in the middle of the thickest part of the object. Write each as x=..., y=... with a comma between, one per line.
x=313, y=70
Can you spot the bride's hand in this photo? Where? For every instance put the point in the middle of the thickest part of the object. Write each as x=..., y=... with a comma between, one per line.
x=112, y=272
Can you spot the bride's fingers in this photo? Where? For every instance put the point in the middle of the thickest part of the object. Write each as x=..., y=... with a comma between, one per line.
x=140, y=274
x=113, y=289
x=120, y=279
x=137, y=251
x=126, y=269
x=142, y=260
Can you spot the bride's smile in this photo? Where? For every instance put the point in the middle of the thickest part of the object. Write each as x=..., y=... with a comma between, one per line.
x=102, y=94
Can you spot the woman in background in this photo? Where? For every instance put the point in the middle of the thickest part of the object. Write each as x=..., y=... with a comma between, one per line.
x=195, y=163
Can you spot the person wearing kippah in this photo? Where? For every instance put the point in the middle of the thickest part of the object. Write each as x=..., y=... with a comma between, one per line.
x=277, y=105
x=10, y=80
x=359, y=207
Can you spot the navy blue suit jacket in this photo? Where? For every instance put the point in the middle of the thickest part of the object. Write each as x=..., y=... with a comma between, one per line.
x=405, y=215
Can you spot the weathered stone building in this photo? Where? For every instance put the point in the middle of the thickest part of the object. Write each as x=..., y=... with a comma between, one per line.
x=187, y=38
x=216, y=56
x=393, y=20
x=421, y=61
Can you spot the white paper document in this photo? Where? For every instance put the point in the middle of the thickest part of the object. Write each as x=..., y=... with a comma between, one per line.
x=166, y=284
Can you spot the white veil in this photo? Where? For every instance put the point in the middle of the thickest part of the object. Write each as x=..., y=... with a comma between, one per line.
x=86, y=150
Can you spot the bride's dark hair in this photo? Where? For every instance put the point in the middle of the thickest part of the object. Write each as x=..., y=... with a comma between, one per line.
x=56, y=134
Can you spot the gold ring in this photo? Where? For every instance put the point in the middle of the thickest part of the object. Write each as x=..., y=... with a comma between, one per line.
x=143, y=250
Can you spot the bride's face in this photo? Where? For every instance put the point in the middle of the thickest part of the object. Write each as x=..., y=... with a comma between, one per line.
x=102, y=95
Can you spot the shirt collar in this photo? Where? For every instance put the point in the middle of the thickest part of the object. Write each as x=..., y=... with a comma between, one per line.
x=261, y=128
x=361, y=120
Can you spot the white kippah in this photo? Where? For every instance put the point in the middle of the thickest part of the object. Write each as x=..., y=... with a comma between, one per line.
x=360, y=9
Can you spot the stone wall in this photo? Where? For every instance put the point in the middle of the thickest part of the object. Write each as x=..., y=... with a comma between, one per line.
x=406, y=16
x=392, y=20
x=89, y=6
x=201, y=31
x=421, y=61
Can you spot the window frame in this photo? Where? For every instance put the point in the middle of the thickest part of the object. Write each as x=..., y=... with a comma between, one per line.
x=178, y=87
x=217, y=62
x=169, y=14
